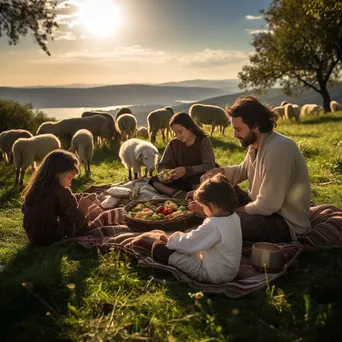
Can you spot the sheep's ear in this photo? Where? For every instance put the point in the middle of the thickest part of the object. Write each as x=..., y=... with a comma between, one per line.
x=139, y=155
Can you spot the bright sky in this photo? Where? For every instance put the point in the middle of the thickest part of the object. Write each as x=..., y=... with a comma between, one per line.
x=137, y=41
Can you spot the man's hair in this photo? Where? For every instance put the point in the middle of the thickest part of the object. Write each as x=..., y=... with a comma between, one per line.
x=253, y=113
x=218, y=191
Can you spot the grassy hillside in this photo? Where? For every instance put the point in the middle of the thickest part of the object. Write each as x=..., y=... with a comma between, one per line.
x=68, y=293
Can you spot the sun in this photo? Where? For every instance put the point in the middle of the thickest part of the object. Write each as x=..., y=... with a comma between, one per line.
x=100, y=17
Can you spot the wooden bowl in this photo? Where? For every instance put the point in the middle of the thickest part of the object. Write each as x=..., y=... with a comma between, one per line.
x=269, y=255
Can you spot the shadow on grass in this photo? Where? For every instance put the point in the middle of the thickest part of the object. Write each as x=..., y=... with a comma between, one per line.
x=39, y=286
x=321, y=119
x=107, y=153
x=227, y=145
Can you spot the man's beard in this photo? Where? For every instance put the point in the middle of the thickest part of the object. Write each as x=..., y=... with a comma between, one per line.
x=250, y=139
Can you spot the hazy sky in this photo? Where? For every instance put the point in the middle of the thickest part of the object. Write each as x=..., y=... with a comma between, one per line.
x=136, y=41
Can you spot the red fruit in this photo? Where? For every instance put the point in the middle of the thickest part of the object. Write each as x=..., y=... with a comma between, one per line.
x=168, y=211
x=161, y=209
x=168, y=216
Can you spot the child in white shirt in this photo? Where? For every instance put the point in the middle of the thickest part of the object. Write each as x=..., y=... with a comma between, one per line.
x=212, y=252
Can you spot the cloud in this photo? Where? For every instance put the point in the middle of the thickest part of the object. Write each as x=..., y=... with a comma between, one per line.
x=252, y=31
x=253, y=17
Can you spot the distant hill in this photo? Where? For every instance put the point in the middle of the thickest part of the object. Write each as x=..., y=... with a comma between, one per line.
x=129, y=94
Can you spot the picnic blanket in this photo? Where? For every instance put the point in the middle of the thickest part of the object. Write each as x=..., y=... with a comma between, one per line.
x=326, y=229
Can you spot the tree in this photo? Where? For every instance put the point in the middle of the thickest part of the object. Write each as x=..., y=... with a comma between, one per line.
x=18, y=17
x=302, y=48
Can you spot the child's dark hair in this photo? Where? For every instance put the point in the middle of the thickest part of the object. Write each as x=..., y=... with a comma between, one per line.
x=46, y=176
x=218, y=191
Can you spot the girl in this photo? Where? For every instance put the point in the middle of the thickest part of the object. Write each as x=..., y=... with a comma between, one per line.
x=51, y=211
x=190, y=155
x=212, y=252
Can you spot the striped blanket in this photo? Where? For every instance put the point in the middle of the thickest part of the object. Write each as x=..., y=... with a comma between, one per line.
x=108, y=233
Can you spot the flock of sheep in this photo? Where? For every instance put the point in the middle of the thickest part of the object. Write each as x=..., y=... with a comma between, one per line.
x=81, y=135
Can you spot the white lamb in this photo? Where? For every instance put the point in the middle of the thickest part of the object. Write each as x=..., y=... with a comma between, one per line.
x=334, y=106
x=310, y=109
x=209, y=115
x=83, y=143
x=292, y=111
x=8, y=138
x=29, y=150
x=136, y=153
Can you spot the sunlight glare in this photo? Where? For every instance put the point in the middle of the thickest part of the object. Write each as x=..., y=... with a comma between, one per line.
x=100, y=17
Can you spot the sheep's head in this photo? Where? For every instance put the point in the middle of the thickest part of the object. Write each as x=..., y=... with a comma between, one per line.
x=149, y=158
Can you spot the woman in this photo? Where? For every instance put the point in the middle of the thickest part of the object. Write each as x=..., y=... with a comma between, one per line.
x=189, y=155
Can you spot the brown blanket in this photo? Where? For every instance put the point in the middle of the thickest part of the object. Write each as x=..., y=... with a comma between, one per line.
x=326, y=229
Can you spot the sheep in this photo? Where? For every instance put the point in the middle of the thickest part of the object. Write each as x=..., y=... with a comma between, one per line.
x=83, y=143
x=135, y=153
x=334, y=106
x=280, y=111
x=29, y=150
x=8, y=138
x=122, y=110
x=66, y=128
x=209, y=115
x=310, y=109
x=110, y=121
x=292, y=111
x=142, y=132
x=159, y=120
x=126, y=126
x=284, y=103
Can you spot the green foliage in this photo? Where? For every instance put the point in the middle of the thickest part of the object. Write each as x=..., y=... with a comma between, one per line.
x=16, y=116
x=302, y=48
x=18, y=17
x=67, y=293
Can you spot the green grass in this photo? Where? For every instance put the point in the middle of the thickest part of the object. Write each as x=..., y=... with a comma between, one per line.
x=67, y=293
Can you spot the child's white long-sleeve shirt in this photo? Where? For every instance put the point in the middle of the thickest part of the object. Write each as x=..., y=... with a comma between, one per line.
x=212, y=252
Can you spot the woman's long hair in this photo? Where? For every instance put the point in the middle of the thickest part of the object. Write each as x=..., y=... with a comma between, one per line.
x=46, y=176
x=186, y=121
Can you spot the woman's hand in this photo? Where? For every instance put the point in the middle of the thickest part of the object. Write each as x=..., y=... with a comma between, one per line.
x=178, y=172
x=84, y=203
x=211, y=173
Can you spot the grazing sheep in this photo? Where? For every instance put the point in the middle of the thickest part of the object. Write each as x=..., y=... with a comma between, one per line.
x=122, y=110
x=135, y=153
x=126, y=126
x=8, y=138
x=142, y=132
x=29, y=150
x=334, y=106
x=292, y=111
x=159, y=120
x=280, y=111
x=209, y=115
x=83, y=143
x=284, y=103
x=310, y=109
x=110, y=121
x=65, y=129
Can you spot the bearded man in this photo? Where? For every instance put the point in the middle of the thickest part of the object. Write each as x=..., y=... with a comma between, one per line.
x=278, y=202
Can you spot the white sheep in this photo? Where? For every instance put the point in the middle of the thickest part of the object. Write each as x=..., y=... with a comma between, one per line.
x=66, y=128
x=334, y=106
x=136, y=153
x=159, y=120
x=310, y=109
x=126, y=126
x=110, y=121
x=83, y=143
x=209, y=115
x=142, y=132
x=280, y=111
x=292, y=111
x=8, y=138
x=284, y=103
x=29, y=150
x=121, y=111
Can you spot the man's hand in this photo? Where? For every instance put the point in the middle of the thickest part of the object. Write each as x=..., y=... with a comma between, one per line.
x=196, y=209
x=211, y=173
x=178, y=172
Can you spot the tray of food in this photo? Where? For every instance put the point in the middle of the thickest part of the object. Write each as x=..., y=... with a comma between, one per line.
x=165, y=214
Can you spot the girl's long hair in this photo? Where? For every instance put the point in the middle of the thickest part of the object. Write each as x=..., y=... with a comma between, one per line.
x=46, y=176
x=185, y=120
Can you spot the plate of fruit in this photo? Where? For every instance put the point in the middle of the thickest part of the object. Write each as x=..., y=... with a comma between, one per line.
x=165, y=214
x=165, y=175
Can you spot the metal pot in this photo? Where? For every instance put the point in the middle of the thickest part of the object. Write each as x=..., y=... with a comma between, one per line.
x=269, y=255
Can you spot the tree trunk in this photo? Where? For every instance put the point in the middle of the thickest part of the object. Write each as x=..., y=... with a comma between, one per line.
x=326, y=97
